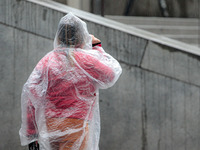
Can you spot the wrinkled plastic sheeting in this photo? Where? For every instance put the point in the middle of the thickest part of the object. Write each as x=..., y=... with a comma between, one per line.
x=60, y=100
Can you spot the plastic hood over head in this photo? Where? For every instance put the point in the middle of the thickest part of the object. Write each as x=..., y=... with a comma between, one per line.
x=72, y=32
x=60, y=100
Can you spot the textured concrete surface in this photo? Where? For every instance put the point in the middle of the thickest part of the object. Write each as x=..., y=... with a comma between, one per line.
x=145, y=110
x=170, y=62
x=155, y=105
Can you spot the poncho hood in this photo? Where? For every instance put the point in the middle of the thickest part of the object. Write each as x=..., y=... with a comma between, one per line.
x=72, y=32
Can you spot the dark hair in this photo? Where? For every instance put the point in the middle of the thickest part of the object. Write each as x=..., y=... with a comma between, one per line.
x=70, y=34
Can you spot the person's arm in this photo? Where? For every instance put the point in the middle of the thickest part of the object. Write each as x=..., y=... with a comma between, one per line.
x=31, y=98
x=99, y=66
x=31, y=123
x=95, y=67
x=35, y=93
x=28, y=131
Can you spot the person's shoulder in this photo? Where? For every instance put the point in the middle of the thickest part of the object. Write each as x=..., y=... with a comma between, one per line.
x=44, y=60
x=49, y=55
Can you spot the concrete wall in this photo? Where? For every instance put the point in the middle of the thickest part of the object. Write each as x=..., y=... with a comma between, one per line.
x=155, y=105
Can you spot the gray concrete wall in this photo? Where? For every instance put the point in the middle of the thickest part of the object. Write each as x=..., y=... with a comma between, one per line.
x=155, y=105
x=20, y=52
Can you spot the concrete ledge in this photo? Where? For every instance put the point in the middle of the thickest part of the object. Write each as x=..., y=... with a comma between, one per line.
x=176, y=31
x=155, y=20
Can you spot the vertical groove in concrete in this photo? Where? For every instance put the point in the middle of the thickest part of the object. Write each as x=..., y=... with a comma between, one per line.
x=145, y=48
x=144, y=115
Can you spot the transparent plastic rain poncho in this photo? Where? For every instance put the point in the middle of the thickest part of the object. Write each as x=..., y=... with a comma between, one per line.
x=60, y=107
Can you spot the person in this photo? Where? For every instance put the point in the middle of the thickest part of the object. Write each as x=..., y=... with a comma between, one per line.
x=60, y=100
